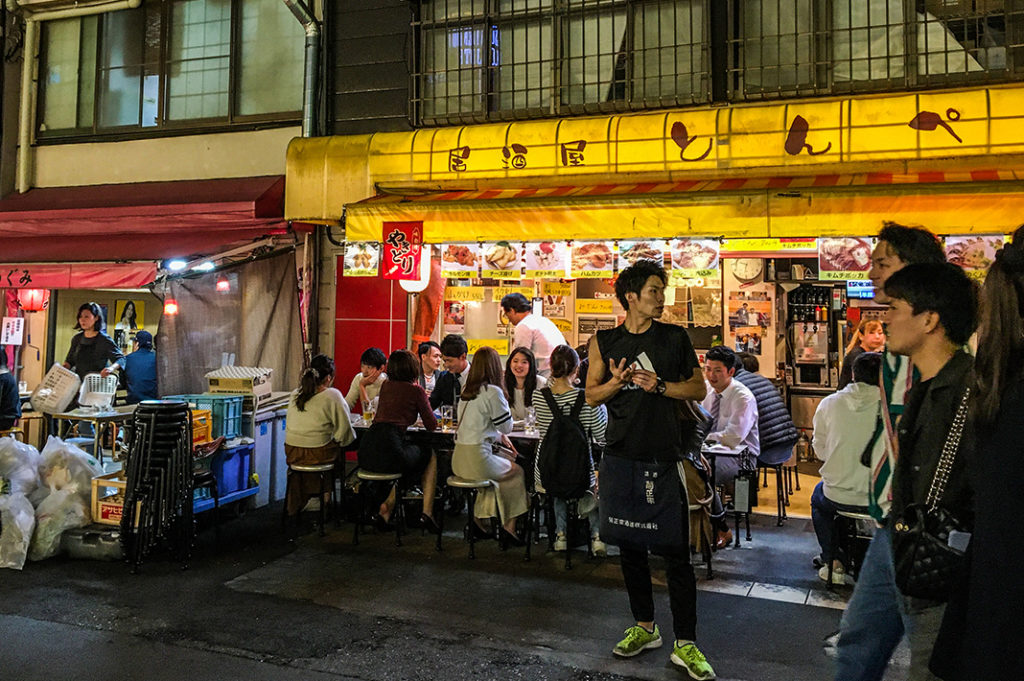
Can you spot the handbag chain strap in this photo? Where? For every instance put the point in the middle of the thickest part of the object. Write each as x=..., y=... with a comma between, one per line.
x=949, y=450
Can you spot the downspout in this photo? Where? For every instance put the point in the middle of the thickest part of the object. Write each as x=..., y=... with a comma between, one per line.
x=30, y=74
x=312, y=64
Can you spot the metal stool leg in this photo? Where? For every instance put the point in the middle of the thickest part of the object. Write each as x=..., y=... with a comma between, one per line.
x=470, y=520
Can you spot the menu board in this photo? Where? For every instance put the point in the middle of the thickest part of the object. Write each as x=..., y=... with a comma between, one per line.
x=362, y=259
x=592, y=259
x=843, y=258
x=975, y=254
x=546, y=259
x=502, y=260
x=631, y=252
x=694, y=258
x=460, y=261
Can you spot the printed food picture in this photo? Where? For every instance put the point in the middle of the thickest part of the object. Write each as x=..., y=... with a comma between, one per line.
x=691, y=254
x=973, y=253
x=502, y=255
x=592, y=255
x=846, y=254
x=361, y=256
x=643, y=250
x=543, y=256
x=459, y=254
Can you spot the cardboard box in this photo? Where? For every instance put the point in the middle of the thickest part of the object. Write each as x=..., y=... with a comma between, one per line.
x=255, y=385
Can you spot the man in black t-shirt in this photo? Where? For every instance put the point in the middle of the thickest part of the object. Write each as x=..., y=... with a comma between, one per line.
x=10, y=402
x=639, y=370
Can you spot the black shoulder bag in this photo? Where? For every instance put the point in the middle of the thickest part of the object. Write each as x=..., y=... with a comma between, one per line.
x=926, y=565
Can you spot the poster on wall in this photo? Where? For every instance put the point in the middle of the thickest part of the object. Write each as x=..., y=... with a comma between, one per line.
x=13, y=331
x=631, y=252
x=546, y=259
x=588, y=326
x=694, y=258
x=843, y=258
x=502, y=260
x=749, y=314
x=403, y=245
x=460, y=261
x=975, y=254
x=362, y=259
x=454, y=317
x=592, y=259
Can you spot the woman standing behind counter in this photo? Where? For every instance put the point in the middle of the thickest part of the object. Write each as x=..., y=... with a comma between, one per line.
x=92, y=351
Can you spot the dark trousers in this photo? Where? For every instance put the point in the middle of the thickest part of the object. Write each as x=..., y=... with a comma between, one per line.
x=682, y=588
x=823, y=514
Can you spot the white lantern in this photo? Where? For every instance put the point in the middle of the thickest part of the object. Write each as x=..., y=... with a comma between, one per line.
x=419, y=284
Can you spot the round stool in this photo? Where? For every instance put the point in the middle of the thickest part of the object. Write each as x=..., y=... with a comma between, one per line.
x=472, y=487
x=848, y=539
x=16, y=433
x=397, y=514
x=325, y=473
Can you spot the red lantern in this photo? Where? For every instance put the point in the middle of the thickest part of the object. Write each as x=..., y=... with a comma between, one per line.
x=170, y=307
x=33, y=299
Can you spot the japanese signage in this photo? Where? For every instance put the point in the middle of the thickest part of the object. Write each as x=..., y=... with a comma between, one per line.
x=973, y=253
x=502, y=260
x=592, y=306
x=546, y=259
x=362, y=259
x=755, y=246
x=499, y=344
x=464, y=293
x=592, y=259
x=13, y=331
x=843, y=258
x=402, y=248
x=502, y=291
x=77, y=275
x=460, y=261
x=694, y=258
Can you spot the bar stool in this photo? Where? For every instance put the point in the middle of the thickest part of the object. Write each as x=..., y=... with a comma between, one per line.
x=705, y=537
x=472, y=487
x=397, y=515
x=16, y=433
x=325, y=473
x=205, y=479
x=850, y=521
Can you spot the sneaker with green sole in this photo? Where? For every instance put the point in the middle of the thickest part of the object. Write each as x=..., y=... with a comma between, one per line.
x=637, y=640
x=689, y=657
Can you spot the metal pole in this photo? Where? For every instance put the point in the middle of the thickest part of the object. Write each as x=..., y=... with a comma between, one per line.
x=312, y=64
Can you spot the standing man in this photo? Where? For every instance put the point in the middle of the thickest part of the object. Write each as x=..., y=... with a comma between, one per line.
x=864, y=648
x=140, y=370
x=451, y=381
x=10, y=401
x=640, y=370
x=533, y=331
x=429, y=353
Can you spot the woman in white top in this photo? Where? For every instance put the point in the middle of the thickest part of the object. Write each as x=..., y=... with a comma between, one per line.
x=484, y=422
x=565, y=365
x=521, y=381
x=317, y=426
x=366, y=384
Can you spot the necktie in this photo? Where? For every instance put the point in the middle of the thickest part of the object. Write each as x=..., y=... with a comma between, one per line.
x=716, y=407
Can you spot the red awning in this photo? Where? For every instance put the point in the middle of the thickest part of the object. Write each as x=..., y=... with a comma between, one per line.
x=139, y=221
x=77, y=275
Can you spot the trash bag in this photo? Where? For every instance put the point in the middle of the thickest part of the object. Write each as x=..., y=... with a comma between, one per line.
x=18, y=519
x=19, y=467
x=63, y=509
x=63, y=465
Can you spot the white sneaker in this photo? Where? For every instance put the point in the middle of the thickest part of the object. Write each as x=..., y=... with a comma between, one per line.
x=312, y=505
x=561, y=543
x=597, y=547
x=839, y=575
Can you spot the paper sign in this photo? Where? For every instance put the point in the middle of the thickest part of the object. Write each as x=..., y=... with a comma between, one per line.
x=631, y=252
x=499, y=344
x=502, y=291
x=464, y=293
x=403, y=243
x=843, y=258
x=362, y=259
x=460, y=261
x=13, y=331
x=975, y=254
x=590, y=306
x=502, y=260
x=694, y=258
x=592, y=259
x=563, y=325
x=546, y=259
x=736, y=246
x=556, y=288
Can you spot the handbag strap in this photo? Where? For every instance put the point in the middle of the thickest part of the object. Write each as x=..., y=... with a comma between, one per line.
x=949, y=451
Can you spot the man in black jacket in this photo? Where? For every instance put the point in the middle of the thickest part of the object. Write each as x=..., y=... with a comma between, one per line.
x=449, y=384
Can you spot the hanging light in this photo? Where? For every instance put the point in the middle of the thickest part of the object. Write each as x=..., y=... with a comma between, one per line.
x=223, y=285
x=33, y=299
x=420, y=283
x=170, y=307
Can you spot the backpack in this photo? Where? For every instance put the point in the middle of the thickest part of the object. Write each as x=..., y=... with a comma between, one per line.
x=564, y=459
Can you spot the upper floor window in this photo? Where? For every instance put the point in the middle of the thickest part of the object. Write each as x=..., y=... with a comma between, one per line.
x=502, y=59
x=171, y=64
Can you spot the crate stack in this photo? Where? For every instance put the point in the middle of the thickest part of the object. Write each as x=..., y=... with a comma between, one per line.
x=158, y=485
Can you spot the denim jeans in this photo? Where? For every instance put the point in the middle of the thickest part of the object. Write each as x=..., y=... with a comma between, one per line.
x=823, y=513
x=878, y=616
x=562, y=511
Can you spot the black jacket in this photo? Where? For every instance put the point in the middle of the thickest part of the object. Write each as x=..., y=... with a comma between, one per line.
x=774, y=424
x=927, y=417
x=445, y=390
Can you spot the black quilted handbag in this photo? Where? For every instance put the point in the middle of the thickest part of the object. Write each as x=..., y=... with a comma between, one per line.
x=926, y=565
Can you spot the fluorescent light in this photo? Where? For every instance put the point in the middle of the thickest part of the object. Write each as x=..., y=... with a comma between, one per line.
x=203, y=266
x=176, y=265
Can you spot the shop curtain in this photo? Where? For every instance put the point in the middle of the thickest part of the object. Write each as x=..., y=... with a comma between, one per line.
x=256, y=318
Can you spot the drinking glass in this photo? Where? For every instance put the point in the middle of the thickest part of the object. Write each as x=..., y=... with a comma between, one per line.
x=446, y=416
x=369, y=410
x=530, y=422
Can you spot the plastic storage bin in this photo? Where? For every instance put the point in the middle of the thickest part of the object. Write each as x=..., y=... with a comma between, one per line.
x=226, y=409
x=264, y=451
x=232, y=468
x=279, y=462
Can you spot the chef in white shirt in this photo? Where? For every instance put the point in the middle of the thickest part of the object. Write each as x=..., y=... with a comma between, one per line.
x=533, y=331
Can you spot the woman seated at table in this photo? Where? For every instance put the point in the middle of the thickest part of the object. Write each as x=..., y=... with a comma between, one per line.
x=565, y=364
x=316, y=429
x=383, y=449
x=521, y=381
x=484, y=423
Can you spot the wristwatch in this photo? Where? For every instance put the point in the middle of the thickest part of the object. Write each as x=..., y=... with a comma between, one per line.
x=660, y=388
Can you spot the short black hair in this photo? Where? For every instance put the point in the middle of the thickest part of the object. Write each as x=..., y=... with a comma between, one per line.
x=373, y=357
x=3, y=356
x=425, y=346
x=748, y=362
x=633, y=278
x=721, y=353
x=454, y=345
x=403, y=366
x=940, y=288
x=912, y=245
x=516, y=302
x=867, y=367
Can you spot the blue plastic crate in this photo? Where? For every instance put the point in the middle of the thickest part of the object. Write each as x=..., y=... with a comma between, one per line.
x=232, y=468
x=226, y=410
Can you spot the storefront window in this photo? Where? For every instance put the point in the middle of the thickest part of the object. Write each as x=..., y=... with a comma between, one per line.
x=175, y=62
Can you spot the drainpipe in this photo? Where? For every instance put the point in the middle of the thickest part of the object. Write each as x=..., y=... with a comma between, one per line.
x=312, y=64
x=30, y=73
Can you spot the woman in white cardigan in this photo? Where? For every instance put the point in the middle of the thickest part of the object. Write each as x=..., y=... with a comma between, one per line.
x=482, y=448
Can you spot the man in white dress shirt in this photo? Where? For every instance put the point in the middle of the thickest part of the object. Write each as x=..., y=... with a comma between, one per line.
x=733, y=412
x=533, y=331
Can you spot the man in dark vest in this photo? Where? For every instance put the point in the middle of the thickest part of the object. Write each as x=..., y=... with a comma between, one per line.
x=774, y=424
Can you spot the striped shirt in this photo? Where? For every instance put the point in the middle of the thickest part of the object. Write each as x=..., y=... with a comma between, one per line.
x=483, y=418
x=594, y=419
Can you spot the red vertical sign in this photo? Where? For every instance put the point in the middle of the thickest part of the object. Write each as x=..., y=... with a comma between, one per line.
x=402, y=244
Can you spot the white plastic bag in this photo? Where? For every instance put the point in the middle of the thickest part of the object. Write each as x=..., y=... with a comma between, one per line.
x=62, y=510
x=19, y=467
x=19, y=520
x=63, y=465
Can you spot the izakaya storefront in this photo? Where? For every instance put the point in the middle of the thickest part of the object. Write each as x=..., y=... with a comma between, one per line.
x=762, y=214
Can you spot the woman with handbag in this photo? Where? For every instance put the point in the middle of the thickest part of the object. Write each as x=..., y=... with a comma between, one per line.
x=982, y=630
